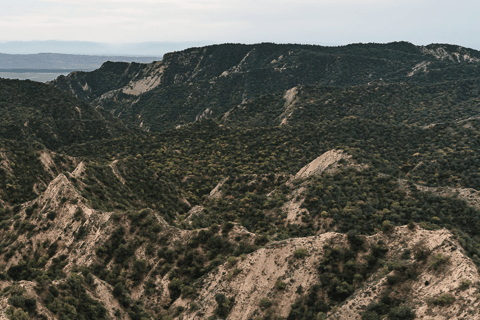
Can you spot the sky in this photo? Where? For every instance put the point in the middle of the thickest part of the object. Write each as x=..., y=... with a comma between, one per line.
x=326, y=22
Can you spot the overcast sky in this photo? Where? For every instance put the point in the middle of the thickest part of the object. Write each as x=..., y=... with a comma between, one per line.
x=330, y=22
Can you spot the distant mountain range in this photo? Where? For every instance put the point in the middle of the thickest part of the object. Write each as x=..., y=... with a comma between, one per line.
x=57, y=61
x=156, y=49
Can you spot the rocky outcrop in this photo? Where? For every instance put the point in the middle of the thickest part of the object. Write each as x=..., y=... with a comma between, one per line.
x=258, y=274
x=69, y=213
x=293, y=207
x=276, y=272
x=329, y=160
x=216, y=192
x=290, y=100
x=457, y=55
x=257, y=277
x=145, y=81
x=430, y=282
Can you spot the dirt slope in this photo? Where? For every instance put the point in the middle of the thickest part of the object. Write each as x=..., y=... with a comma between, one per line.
x=277, y=262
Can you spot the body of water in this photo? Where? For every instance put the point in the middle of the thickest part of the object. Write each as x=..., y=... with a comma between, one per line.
x=43, y=76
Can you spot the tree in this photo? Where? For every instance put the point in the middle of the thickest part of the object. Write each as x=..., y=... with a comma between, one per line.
x=19, y=314
x=401, y=313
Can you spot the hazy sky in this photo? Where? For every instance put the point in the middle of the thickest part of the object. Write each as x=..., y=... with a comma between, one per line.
x=286, y=21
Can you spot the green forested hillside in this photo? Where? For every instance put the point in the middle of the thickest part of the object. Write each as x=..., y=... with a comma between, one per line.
x=98, y=217
x=35, y=112
x=211, y=81
x=398, y=103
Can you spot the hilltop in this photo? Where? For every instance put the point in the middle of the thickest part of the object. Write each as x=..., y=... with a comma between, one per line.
x=227, y=81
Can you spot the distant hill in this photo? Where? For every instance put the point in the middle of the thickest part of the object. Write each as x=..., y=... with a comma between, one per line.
x=32, y=111
x=214, y=81
x=152, y=48
x=57, y=61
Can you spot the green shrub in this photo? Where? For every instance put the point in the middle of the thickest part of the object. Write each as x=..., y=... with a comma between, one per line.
x=406, y=254
x=231, y=261
x=265, y=303
x=444, y=299
x=179, y=310
x=439, y=260
x=29, y=211
x=370, y=315
x=224, y=305
x=194, y=306
x=387, y=227
x=280, y=285
x=465, y=284
x=401, y=313
x=51, y=215
x=355, y=239
x=421, y=253
x=300, y=253
x=78, y=214
x=357, y=278
x=118, y=290
x=236, y=271
x=321, y=316
x=18, y=314
x=393, y=279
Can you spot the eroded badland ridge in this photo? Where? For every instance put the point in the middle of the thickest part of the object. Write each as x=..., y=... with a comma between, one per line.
x=224, y=80
x=245, y=182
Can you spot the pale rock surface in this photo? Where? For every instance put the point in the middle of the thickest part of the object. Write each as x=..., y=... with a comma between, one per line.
x=276, y=261
x=328, y=160
x=216, y=192
x=260, y=272
x=290, y=101
x=442, y=281
x=293, y=206
x=442, y=54
x=47, y=162
x=146, y=83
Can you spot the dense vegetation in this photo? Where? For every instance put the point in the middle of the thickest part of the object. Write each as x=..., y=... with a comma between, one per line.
x=210, y=81
x=35, y=112
x=402, y=133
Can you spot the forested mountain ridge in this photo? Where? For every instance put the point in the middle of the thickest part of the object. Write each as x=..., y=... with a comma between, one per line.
x=210, y=81
x=298, y=195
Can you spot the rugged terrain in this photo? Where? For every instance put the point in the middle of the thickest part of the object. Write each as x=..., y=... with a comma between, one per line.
x=245, y=182
x=60, y=228
x=224, y=80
